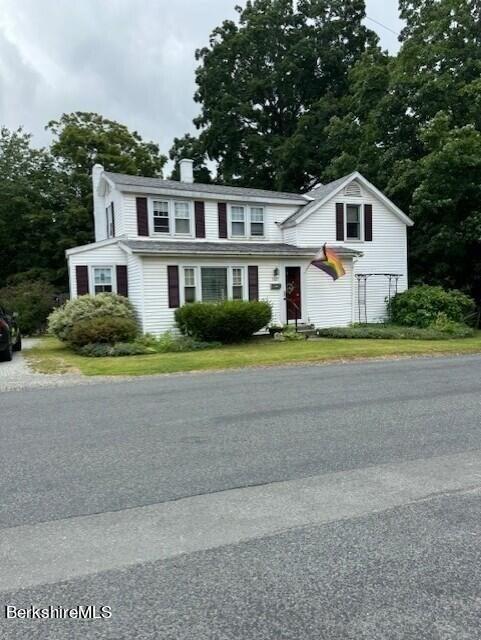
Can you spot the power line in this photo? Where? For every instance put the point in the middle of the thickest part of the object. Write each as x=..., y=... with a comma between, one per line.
x=396, y=33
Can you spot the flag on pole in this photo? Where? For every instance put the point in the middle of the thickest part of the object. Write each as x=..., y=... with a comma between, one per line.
x=327, y=260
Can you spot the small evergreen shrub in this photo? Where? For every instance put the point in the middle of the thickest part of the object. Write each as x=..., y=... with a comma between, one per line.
x=420, y=306
x=168, y=342
x=393, y=332
x=102, y=329
x=62, y=320
x=32, y=300
x=226, y=322
x=95, y=350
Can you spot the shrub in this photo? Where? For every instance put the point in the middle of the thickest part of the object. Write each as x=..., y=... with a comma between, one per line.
x=170, y=343
x=394, y=332
x=32, y=300
x=229, y=321
x=95, y=350
x=102, y=329
x=421, y=305
x=62, y=320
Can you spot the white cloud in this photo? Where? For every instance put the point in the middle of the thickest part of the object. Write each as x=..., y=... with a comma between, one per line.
x=130, y=60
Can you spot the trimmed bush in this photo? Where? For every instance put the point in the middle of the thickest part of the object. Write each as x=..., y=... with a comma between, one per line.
x=393, y=332
x=62, y=320
x=420, y=306
x=32, y=300
x=102, y=329
x=121, y=349
x=226, y=322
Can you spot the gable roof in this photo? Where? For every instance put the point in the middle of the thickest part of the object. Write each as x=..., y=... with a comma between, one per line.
x=139, y=183
x=325, y=192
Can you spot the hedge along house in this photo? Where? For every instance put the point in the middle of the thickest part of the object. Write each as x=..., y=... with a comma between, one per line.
x=164, y=243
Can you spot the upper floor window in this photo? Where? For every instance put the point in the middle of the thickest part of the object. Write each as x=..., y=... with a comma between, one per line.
x=246, y=221
x=353, y=222
x=103, y=279
x=172, y=217
x=182, y=217
x=257, y=221
x=238, y=222
x=109, y=215
x=161, y=216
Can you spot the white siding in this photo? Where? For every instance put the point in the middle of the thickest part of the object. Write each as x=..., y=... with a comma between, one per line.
x=329, y=302
x=136, y=287
x=158, y=318
x=387, y=253
x=103, y=256
x=273, y=214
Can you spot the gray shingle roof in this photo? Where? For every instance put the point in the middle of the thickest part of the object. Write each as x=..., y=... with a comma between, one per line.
x=166, y=247
x=131, y=182
x=318, y=193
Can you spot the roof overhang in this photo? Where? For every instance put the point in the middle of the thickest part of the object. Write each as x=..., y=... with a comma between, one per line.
x=314, y=206
x=206, y=195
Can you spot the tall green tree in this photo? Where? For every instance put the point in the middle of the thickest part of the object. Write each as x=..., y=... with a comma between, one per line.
x=32, y=198
x=82, y=139
x=265, y=82
x=190, y=147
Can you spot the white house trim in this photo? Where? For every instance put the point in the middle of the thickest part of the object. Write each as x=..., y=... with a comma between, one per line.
x=94, y=245
x=315, y=206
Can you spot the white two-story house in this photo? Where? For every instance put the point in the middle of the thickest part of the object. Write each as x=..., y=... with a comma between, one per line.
x=164, y=243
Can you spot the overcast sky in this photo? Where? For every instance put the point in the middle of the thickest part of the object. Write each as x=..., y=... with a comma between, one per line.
x=130, y=60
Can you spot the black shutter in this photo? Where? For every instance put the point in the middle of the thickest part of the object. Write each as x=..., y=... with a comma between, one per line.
x=339, y=221
x=82, y=277
x=173, y=281
x=113, y=220
x=142, y=217
x=199, y=211
x=122, y=282
x=222, y=213
x=253, y=278
x=368, y=222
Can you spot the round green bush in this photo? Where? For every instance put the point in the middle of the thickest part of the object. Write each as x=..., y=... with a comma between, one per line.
x=420, y=306
x=102, y=329
x=62, y=320
x=226, y=322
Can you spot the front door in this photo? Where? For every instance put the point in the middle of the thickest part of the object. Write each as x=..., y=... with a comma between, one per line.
x=293, y=293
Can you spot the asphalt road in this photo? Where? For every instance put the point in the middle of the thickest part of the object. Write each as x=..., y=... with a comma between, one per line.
x=338, y=501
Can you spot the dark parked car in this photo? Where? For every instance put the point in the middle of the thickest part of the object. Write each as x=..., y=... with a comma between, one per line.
x=10, y=338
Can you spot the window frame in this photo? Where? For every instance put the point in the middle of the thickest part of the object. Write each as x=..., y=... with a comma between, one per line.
x=183, y=283
x=247, y=221
x=198, y=279
x=113, y=272
x=231, y=221
x=171, y=217
x=109, y=220
x=360, y=208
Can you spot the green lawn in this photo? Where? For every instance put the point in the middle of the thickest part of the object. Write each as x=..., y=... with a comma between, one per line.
x=51, y=356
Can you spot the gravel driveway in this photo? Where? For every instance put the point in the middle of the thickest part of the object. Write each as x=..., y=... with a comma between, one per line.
x=18, y=375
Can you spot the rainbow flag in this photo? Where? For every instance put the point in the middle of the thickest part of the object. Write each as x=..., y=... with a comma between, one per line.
x=327, y=260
